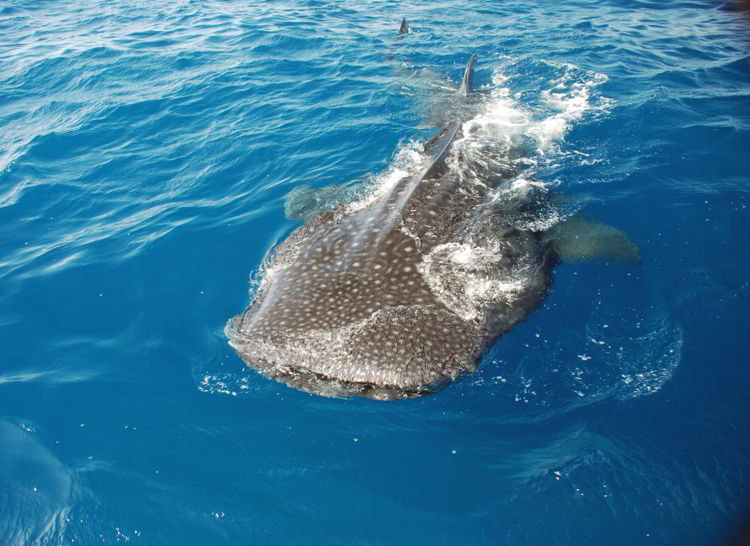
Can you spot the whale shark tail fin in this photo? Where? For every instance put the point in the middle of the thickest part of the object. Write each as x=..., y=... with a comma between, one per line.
x=404, y=29
x=577, y=240
x=465, y=88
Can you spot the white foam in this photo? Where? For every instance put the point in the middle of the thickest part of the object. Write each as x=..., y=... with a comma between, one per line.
x=409, y=160
x=460, y=276
x=568, y=99
x=571, y=103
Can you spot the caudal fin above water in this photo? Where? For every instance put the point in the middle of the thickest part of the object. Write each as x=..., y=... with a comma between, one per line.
x=576, y=240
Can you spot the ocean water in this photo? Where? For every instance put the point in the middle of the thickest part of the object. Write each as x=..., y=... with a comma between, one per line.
x=146, y=153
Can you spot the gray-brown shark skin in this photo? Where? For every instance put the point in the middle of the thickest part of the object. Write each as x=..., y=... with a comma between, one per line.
x=353, y=307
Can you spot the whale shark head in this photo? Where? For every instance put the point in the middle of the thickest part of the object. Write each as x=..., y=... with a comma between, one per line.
x=382, y=314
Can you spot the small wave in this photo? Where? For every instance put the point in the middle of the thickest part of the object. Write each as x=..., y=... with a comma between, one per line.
x=36, y=488
x=56, y=376
x=612, y=358
x=639, y=358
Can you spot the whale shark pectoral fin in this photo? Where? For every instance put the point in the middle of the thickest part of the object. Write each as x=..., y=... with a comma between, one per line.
x=576, y=240
x=304, y=202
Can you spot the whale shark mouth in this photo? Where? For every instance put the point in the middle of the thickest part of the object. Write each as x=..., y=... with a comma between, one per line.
x=440, y=348
x=301, y=377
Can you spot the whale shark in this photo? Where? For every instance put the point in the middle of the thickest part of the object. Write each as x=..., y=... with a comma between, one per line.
x=398, y=295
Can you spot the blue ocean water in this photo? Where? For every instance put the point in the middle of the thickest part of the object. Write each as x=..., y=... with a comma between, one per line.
x=145, y=155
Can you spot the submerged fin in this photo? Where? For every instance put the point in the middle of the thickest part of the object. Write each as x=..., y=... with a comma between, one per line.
x=577, y=240
x=304, y=202
x=465, y=88
x=404, y=27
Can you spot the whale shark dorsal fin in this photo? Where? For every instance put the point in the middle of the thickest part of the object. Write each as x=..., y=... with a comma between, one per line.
x=465, y=88
x=577, y=240
x=404, y=27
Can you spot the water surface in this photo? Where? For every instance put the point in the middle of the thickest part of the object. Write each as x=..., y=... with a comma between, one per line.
x=144, y=159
